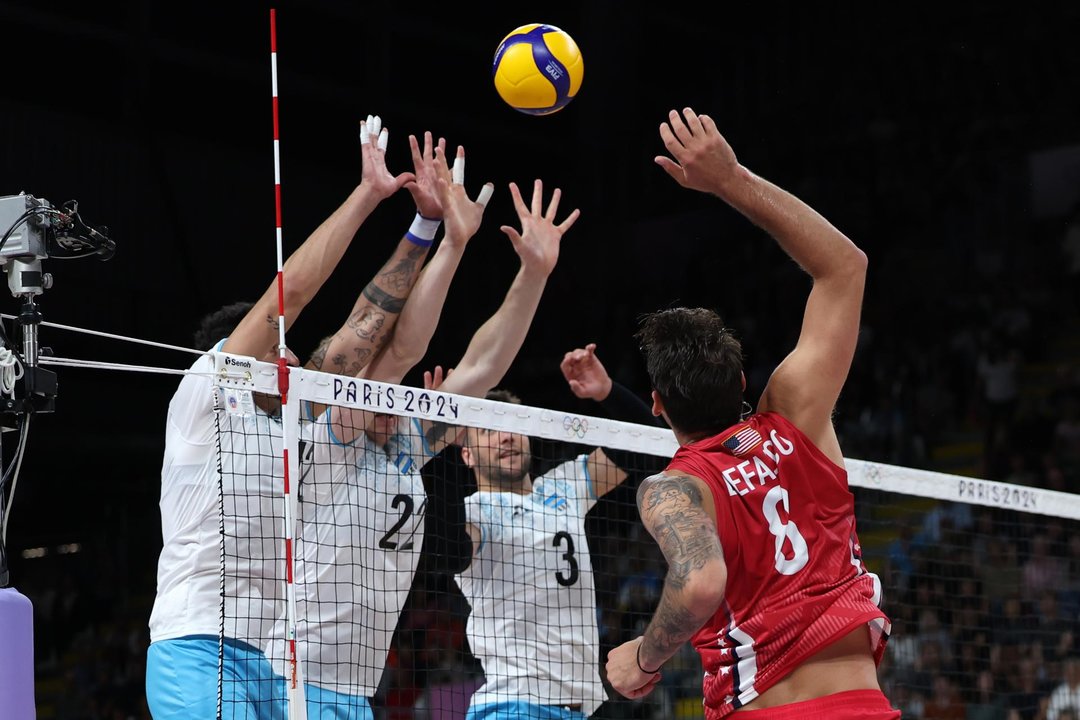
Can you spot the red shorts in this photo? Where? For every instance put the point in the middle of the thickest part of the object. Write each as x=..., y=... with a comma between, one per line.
x=850, y=705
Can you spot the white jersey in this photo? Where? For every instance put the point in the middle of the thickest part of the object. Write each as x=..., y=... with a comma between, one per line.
x=362, y=525
x=530, y=588
x=202, y=546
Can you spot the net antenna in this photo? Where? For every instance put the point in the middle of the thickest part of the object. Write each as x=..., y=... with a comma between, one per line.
x=32, y=230
x=289, y=413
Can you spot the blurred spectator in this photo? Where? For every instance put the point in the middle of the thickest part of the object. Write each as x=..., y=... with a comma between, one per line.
x=986, y=701
x=931, y=631
x=1070, y=249
x=1012, y=636
x=997, y=369
x=903, y=648
x=1067, y=432
x=928, y=666
x=901, y=564
x=1053, y=633
x=1042, y=571
x=944, y=702
x=1066, y=696
x=1070, y=590
x=1025, y=696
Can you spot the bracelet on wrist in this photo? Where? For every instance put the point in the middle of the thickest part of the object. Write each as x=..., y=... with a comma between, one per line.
x=638, y=658
x=422, y=231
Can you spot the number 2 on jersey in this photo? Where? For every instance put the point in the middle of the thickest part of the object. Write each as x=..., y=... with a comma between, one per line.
x=406, y=503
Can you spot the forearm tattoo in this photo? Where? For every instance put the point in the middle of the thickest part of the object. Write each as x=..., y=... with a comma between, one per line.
x=366, y=323
x=400, y=278
x=383, y=300
x=671, y=507
x=272, y=321
x=672, y=625
x=319, y=356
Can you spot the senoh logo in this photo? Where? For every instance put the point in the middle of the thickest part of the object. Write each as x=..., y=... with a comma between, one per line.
x=234, y=362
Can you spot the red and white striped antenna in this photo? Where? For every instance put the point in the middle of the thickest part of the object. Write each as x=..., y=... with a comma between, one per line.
x=289, y=416
x=283, y=371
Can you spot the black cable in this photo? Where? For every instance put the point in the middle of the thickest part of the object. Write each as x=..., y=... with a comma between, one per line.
x=25, y=217
x=5, y=341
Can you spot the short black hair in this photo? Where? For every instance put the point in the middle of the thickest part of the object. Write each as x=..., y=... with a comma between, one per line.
x=220, y=323
x=502, y=396
x=695, y=364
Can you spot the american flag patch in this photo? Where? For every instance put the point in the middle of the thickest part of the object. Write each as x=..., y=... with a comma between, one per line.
x=743, y=440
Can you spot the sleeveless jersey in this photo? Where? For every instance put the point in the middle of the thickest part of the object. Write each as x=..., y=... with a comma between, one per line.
x=220, y=517
x=361, y=528
x=796, y=581
x=530, y=589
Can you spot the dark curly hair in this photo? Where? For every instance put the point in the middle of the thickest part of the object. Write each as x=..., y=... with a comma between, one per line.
x=220, y=323
x=695, y=364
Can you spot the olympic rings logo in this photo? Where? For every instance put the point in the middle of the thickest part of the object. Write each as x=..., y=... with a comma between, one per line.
x=575, y=426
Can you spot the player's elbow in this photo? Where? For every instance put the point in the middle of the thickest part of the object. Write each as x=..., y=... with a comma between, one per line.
x=477, y=377
x=845, y=272
x=704, y=590
x=406, y=352
x=856, y=262
x=296, y=294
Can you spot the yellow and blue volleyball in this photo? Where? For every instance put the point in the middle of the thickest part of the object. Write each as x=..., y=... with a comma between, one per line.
x=538, y=69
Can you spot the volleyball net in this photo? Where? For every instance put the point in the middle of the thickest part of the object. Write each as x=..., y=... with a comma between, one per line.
x=426, y=572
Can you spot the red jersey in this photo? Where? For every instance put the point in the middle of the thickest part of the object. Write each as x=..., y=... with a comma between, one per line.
x=796, y=581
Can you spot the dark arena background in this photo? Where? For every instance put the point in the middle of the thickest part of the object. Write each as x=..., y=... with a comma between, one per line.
x=944, y=140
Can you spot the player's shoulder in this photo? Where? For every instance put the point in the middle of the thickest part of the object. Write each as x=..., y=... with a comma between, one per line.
x=673, y=484
x=575, y=468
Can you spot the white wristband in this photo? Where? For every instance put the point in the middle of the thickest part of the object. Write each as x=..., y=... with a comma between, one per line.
x=422, y=231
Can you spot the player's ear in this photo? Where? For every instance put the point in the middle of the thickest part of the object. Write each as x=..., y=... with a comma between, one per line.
x=743, y=375
x=657, y=404
x=466, y=456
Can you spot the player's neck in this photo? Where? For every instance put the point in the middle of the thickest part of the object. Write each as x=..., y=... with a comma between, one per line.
x=520, y=487
x=688, y=438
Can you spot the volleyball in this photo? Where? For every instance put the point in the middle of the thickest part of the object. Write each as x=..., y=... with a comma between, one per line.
x=538, y=69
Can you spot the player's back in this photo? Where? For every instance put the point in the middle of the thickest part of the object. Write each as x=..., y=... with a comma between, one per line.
x=797, y=585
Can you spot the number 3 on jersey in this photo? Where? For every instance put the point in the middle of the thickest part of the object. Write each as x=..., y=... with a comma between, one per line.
x=784, y=531
x=568, y=556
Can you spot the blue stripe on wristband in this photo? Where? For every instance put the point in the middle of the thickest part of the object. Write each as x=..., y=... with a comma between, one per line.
x=423, y=230
x=418, y=240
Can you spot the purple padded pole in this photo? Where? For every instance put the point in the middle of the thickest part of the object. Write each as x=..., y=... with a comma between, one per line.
x=16, y=655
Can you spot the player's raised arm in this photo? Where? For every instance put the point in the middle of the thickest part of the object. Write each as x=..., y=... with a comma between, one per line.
x=675, y=509
x=495, y=344
x=311, y=264
x=372, y=319
x=806, y=385
x=589, y=379
x=463, y=216
x=422, y=310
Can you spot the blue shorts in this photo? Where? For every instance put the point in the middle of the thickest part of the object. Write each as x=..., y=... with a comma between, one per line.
x=517, y=710
x=329, y=705
x=182, y=681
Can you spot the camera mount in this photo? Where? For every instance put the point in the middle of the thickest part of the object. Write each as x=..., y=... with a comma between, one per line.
x=33, y=230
